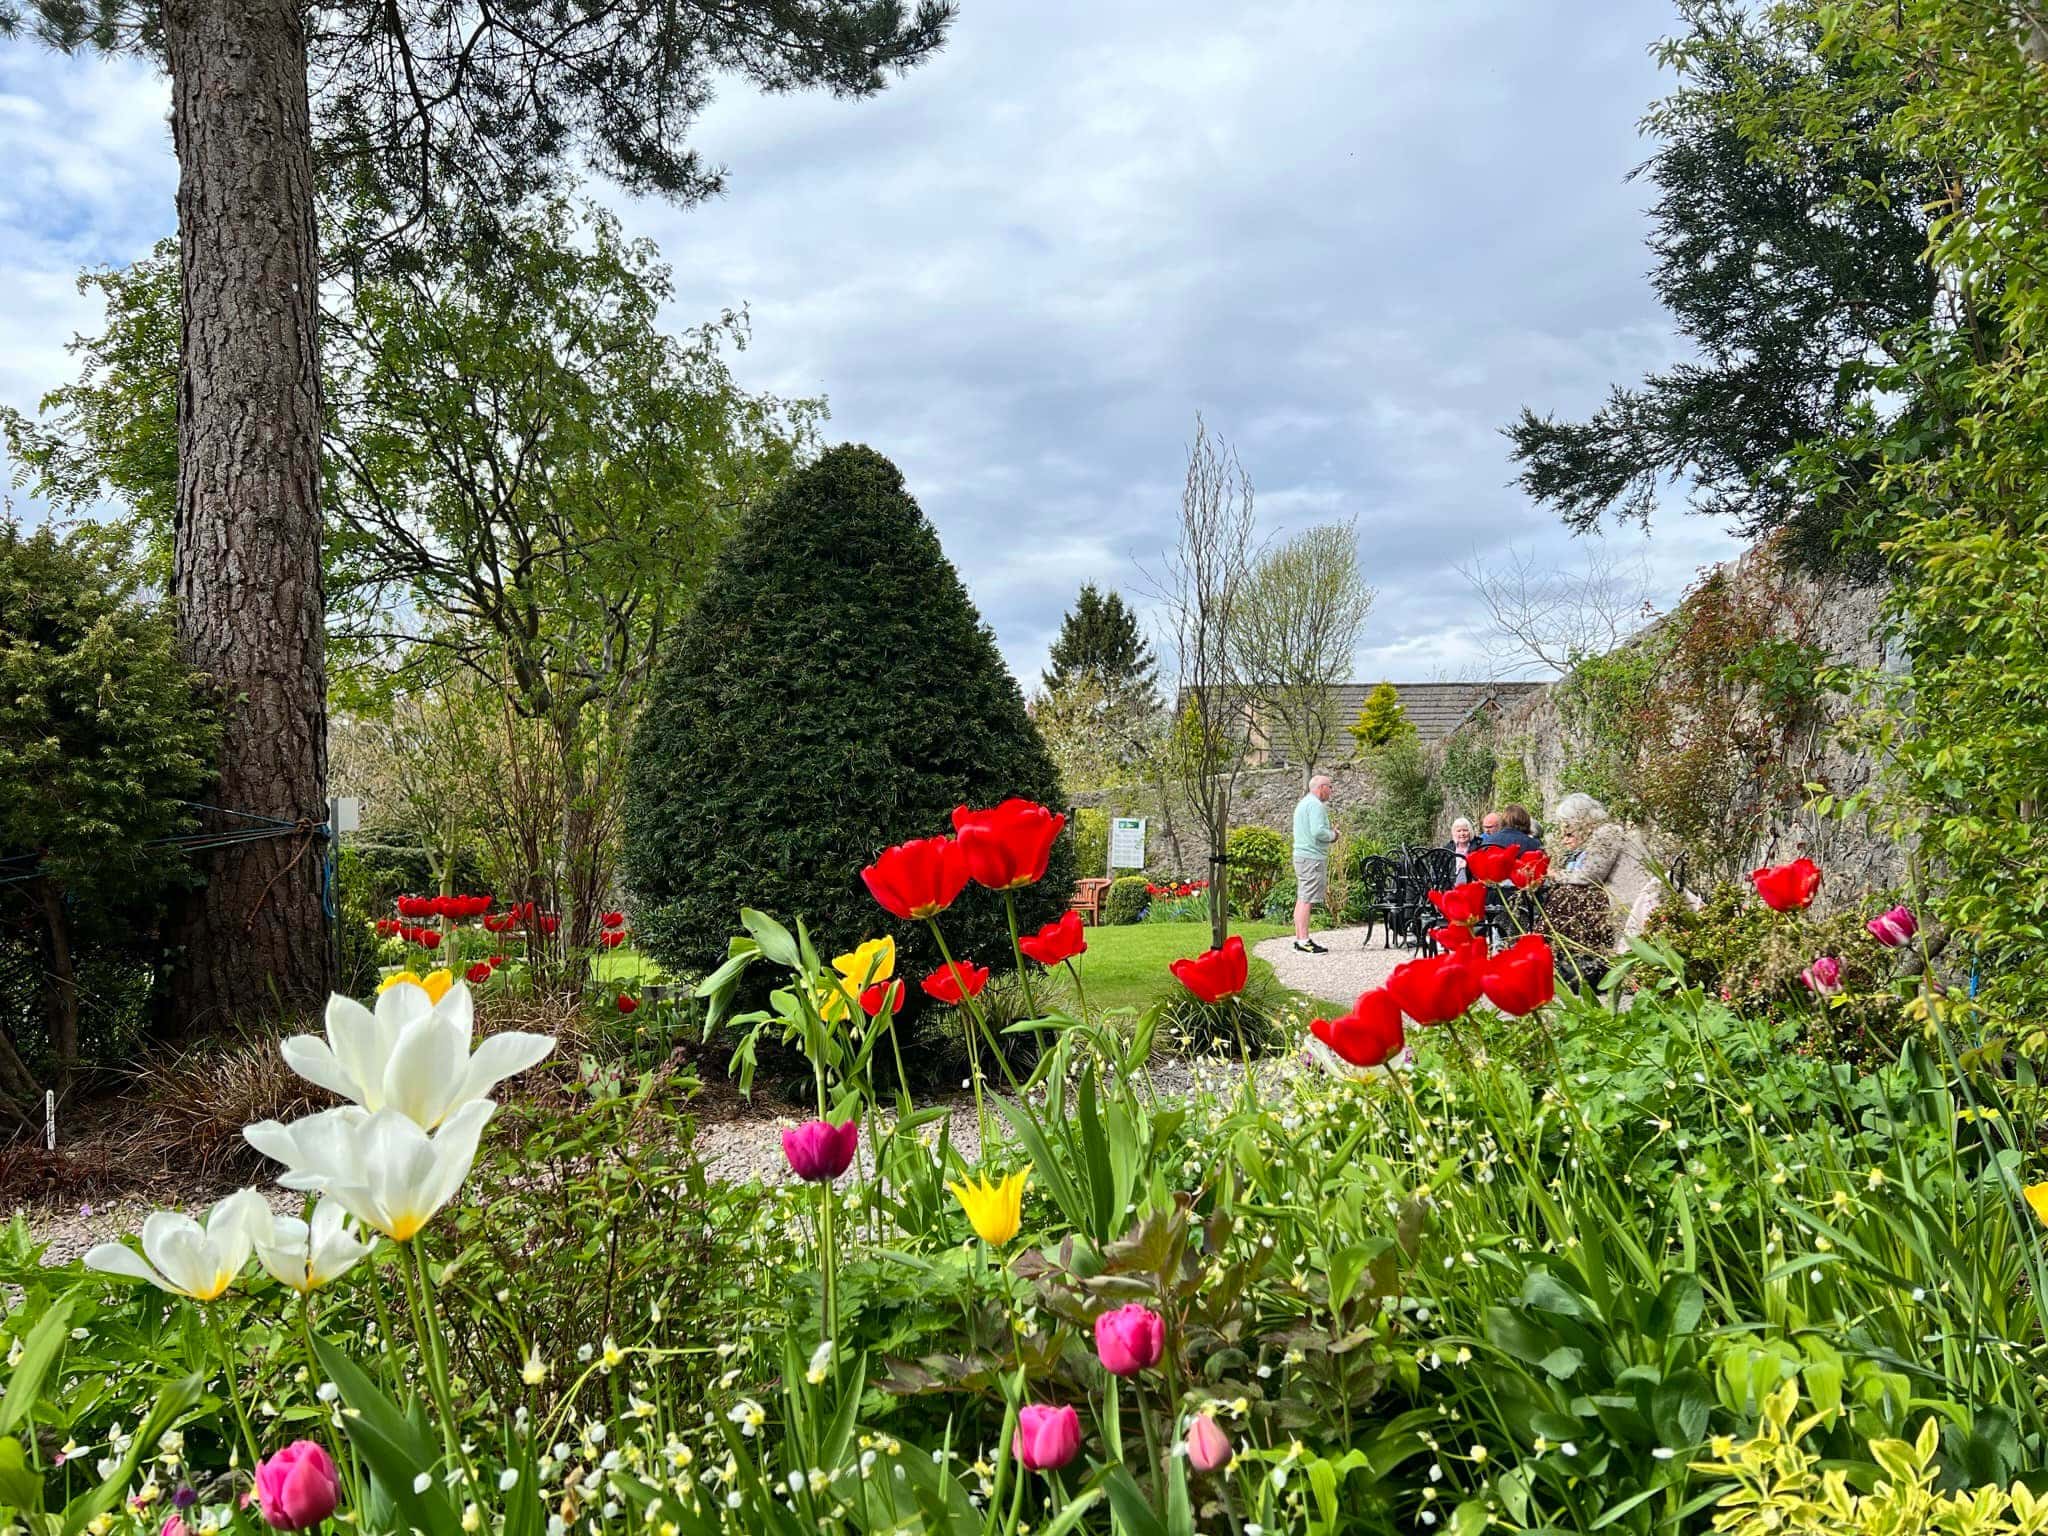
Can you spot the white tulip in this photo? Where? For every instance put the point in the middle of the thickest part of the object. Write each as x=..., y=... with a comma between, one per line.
x=381, y=1168
x=412, y=1054
x=306, y=1256
x=186, y=1258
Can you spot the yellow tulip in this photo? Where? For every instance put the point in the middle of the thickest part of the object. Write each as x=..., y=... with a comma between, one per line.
x=995, y=1211
x=2037, y=1200
x=435, y=983
x=868, y=965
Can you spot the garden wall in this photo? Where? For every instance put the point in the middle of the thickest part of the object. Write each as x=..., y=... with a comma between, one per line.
x=1831, y=617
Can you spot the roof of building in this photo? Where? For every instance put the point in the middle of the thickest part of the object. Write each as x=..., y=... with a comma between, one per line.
x=1434, y=709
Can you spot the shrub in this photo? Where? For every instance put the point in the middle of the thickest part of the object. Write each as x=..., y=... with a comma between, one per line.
x=1404, y=808
x=1260, y=1017
x=1258, y=857
x=833, y=692
x=105, y=734
x=1127, y=899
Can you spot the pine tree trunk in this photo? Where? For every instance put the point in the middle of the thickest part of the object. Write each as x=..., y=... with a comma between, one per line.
x=251, y=611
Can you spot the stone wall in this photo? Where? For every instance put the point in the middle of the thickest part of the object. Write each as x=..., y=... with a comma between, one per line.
x=1841, y=619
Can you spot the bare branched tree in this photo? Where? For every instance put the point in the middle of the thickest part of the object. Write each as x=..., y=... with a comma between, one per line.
x=1548, y=619
x=1198, y=592
x=1293, y=633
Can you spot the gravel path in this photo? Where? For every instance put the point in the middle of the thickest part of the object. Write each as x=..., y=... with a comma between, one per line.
x=1353, y=965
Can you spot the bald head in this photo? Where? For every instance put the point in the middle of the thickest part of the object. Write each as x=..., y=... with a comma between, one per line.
x=1319, y=786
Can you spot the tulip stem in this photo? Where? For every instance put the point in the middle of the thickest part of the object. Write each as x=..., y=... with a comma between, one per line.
x=436, y=1362
x=228, y=1369
x=1152, y=1450
x=1017, y=952
x=973, y=1046
x=825, y=1260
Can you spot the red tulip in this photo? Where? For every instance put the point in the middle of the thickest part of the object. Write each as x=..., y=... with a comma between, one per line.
x=877, y=997
x=1522, y=977
x=428, y=939
x=478, y=974
x=627, y=1002
x=819, y=1151
x=496, y=961
x=1787, y=887
x=1461, y=903
x=1008, y=846
x=415, y=906
x=611, y=939
x=549, y=922
x=1369, y=1035
x=954, y=984
x=499, y=923
x=1436, y=990
x=614, y=920
x=1492, y=863
x=920, y=878
x=1531, y=870
x=1457, y=939
x=1056, y=941
x=1215, y=974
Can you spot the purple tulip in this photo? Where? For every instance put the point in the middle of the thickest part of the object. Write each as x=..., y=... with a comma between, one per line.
x=820, y=1151
x=1129, y=1340
x=1824, y=976
x=1046, y=1438
x=1893, y=928
x=1208, y=1447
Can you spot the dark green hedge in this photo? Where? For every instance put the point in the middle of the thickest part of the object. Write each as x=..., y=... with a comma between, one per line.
x=833, y=692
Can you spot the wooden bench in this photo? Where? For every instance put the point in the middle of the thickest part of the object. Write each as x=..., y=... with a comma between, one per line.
x=1088, y=898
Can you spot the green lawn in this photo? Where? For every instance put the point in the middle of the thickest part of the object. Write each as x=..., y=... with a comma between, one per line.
x=1126, y=966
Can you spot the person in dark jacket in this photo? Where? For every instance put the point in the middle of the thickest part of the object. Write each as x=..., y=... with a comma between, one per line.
x=1517, y=830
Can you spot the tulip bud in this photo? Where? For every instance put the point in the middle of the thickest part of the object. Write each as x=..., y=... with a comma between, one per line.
x=298, y=1487
x=1208, y=1447
x=1894, y=928
x=819, y=1151
x=1129, y=1340
x=1046, y=1438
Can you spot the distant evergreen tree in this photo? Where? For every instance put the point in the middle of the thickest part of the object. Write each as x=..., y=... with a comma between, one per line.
x=1099, y=638
x=833, y=692
x=1381, y=719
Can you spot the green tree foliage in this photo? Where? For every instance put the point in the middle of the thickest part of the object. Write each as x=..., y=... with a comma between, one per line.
x=104, y=734
x=1964, y=731
x=832, y=693
x=1793, y=273
x=1381, y=720
x=1099, y=639
x=1470, y=765
x=1403, y=809
x=526, y=479
x=112, y=436
x=1292, y=632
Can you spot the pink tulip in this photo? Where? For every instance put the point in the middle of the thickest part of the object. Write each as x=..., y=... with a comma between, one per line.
x=820, y=1151
x=298, y=1487
x=1046, y=1438
x=1893, y=928
x=1824, y=976
x=1129, y=1340
x=175, y=1526
x=1208, y=1447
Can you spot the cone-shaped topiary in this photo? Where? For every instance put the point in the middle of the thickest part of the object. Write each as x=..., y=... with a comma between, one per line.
x=832, y=693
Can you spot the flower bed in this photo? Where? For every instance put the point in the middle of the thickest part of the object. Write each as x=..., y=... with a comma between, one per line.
x=1522, y=1262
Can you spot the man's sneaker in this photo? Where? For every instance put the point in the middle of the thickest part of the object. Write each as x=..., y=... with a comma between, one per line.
x=1310, y=948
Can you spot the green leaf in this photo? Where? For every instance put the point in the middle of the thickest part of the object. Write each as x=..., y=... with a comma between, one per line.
x=394, y=1447
x=39, y=1352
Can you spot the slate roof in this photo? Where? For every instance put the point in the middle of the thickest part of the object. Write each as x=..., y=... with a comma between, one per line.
x=1434, y=709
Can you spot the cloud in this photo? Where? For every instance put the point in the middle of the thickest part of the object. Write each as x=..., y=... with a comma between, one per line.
x=1358, y=238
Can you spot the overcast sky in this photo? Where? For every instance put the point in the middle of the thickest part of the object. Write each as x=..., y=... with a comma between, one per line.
x=1357, y=235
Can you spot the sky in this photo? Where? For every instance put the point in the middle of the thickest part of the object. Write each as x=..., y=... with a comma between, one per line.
x=1356, y=236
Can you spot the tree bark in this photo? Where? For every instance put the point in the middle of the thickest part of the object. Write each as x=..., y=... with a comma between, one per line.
x=251, y=609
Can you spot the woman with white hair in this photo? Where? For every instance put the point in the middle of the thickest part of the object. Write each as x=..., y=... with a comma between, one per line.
x=1601, y=852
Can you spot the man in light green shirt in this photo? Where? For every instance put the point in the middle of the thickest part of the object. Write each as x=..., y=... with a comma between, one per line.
x=1313, y=835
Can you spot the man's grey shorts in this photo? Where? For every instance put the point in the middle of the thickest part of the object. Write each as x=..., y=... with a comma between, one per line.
x=1312, y=881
